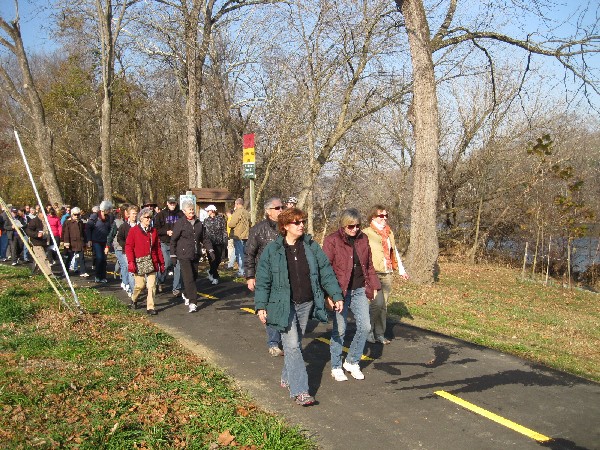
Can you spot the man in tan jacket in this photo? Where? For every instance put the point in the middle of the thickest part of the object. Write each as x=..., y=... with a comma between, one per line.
x=239, y=223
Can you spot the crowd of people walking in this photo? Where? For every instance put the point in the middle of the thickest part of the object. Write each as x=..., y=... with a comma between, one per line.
x=292, y=277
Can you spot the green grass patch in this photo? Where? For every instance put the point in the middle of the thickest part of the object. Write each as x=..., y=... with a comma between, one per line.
x=113, y=380
x=491, y=306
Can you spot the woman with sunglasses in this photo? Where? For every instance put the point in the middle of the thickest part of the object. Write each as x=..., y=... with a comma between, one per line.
x=383, y=248
x=291, y=274
x=350, y=256
x=142, y=241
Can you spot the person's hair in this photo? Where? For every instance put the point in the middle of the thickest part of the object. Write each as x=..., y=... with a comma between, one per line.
x=374, y=211
x=348, y=216
x=239, y=201
x=52, y=212
x=105, y=205
x=133, y=208
x=146, y=211
x=288, y=216
x=188, y=204
x=75, y=210
x=269, y=203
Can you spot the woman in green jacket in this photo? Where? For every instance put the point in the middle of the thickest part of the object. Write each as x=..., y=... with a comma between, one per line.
x=291, y=274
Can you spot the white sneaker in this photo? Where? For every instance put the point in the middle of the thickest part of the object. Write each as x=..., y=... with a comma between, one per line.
x=215, y=281
x=210, y=277
x=123, y=286
x=84, y=275
x=339, y=375
x=193, y=308
x=186, y=301
x=354, y=370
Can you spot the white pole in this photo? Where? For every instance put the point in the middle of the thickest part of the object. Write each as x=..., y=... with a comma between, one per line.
x=37, y=195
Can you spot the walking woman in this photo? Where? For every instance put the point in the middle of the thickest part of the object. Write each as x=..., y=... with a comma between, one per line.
x=216, y=229
x=144, y=258
x=186, y=245
x=291, y=275
x=350, y=256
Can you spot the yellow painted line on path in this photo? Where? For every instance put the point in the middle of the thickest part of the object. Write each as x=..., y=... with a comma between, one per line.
x=494, y=417
x=249, y=310
x=208, y=296
x=346, y=349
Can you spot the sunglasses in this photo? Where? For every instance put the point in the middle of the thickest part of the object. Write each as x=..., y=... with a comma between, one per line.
x=353, y=226
x=75, y=215
x=277, y=208
x=299, y=222
x=147, y=217
x=382, y=216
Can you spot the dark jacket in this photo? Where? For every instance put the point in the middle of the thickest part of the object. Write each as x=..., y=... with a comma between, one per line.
x=273, y=291
x=260, y=235
x=97, y=230
x=141, y=243
x=122, y=233
x=187, y=240
x=32, y=229
x=340, y=253
x=216, y=229
x=165, y=220
x=112, y=236
x=74, y=234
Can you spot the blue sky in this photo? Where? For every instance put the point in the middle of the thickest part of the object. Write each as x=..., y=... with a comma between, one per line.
x=34, y=15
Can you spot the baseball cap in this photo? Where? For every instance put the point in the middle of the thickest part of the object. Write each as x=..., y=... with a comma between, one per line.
x=211, y=208
x=171, y=199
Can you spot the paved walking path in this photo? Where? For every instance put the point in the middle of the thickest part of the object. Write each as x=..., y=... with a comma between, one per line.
x=408, y=399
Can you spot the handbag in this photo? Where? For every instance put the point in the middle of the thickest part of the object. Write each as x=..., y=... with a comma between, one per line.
x=144, y=265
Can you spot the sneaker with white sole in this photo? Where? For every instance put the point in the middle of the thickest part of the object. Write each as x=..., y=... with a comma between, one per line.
x=193, y=308
x=305, y=399
x=210, y=277
x=354, y=370
x=275, y=351
x=215, y=281
x=84, y=275
x=186, y=301
x=339, y=375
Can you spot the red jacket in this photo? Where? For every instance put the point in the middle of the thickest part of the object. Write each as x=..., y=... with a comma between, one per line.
x=340, y=254
x=140, y=243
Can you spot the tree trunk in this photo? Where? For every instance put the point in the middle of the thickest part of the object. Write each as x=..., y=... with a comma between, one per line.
x=105, y=135
x=423, y=249
x=43, y=135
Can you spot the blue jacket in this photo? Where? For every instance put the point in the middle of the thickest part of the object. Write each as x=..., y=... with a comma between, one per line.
x=273, y=292
x=97, y=230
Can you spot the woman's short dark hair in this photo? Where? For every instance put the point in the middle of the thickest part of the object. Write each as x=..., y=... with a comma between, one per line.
x=374, y=211
x=288, y=216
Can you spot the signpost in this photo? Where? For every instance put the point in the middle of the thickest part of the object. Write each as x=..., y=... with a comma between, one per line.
x=249, y=161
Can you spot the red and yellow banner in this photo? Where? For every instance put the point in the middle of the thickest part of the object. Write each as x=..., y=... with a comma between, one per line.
x=249, y=155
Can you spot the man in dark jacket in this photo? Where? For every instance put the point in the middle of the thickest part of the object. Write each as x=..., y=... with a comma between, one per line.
x=15, y=244
x=187, y=240
x=97, y=229
x=260, y=235
x=37, y=232
x=164, y=222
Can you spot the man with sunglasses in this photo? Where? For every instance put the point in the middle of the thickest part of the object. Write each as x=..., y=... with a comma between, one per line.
x=260, y=235
x=385, y=261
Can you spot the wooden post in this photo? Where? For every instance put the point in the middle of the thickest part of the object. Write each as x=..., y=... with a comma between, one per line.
x=524, y=262
x=548, y=265
x=569, y=261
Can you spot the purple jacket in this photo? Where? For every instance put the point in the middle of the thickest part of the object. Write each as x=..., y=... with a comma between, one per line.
x=340, y=254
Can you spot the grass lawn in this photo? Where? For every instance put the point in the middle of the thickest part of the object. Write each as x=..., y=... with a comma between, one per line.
x=491, y=306
x=113, y=380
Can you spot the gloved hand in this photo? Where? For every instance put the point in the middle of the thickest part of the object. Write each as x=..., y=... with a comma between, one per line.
x=131, y=267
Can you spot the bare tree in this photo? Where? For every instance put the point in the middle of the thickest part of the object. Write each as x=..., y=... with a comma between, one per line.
x=571, y=53
x=24, y=92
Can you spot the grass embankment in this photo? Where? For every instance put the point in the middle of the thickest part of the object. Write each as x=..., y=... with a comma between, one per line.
x=113, y=380
x=491, y=306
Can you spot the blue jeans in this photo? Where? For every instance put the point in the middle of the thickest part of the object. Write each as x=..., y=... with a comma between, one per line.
x=100, y=259
x=239, y=245
x=273, y=337
x=294, y=370
x=356, y=301
x=3, y=245
x=126, y=277
x=162, y=276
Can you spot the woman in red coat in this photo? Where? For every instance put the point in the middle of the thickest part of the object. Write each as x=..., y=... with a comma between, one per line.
x=144, y=258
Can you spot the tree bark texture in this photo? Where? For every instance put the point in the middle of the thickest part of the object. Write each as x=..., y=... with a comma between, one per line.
x=423, y=249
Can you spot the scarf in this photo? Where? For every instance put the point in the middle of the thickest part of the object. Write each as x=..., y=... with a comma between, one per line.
x=388, y=255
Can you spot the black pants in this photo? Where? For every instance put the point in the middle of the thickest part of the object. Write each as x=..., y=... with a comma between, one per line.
x=214, y=264
x=189, y=274
x=16, y=246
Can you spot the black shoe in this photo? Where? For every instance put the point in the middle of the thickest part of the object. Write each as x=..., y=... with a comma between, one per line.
x=151, y=312
x=133, y=305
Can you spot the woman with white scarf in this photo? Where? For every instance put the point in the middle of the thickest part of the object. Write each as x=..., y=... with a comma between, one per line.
x=385, y=261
